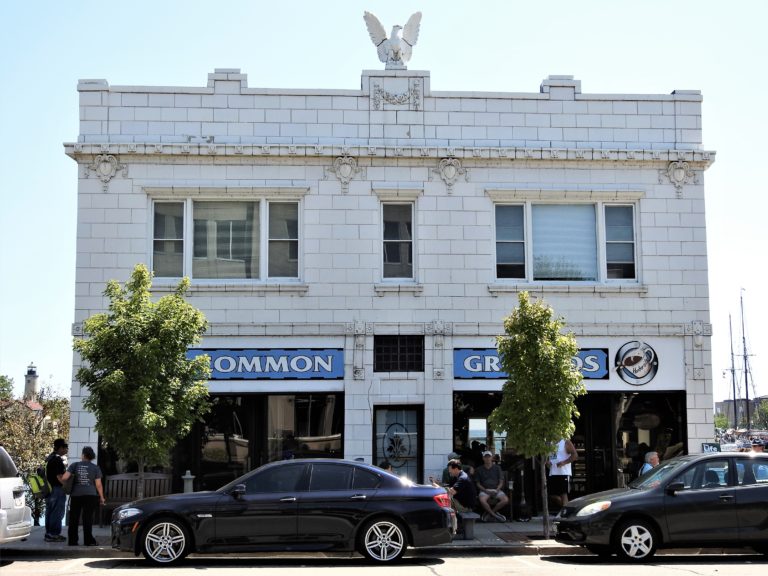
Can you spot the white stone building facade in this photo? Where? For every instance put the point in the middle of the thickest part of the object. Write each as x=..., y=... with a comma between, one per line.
x=360, y=248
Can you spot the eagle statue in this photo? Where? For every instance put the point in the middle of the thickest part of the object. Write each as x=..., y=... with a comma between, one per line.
x=395, y=51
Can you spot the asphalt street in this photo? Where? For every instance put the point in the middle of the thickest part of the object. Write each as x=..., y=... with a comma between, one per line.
x=447, y=563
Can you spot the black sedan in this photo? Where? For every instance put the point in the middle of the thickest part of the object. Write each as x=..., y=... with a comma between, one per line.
x=702, y=500
x=293, y=505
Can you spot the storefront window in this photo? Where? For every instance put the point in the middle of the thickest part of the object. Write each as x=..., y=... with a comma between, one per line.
x=303, y=426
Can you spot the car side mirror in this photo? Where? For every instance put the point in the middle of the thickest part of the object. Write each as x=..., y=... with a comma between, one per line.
x=238, y=491
x=673, y=488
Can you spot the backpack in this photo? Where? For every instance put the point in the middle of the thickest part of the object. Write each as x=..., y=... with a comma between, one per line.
x=38, y=482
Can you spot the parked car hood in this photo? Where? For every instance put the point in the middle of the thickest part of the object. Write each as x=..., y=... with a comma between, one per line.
x=200, y=497
x=613, y=495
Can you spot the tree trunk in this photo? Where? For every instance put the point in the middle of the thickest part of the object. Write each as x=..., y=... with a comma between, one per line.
x=544, y=498
x=140, y=490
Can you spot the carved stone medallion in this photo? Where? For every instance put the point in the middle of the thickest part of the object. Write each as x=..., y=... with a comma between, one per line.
x=678, y=173
x=449, y=170
x=345, y=168
x=105, y=166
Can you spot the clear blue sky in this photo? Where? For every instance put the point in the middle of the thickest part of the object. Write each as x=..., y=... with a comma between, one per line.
x=649, y=46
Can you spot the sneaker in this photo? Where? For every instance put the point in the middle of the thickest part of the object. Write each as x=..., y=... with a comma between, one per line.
x=60, y=538
x=500, y=517
x=49, y=538
x=485, y=517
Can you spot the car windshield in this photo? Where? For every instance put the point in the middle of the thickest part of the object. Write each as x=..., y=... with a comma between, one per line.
x=657, y=475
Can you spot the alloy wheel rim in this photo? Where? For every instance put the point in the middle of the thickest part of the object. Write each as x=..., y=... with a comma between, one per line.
x=384, y=541
x=164, y=542
x=637, y=541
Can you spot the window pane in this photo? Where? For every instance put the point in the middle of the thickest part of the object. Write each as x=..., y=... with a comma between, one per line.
x=283, y=221
x=226, y=243
x=564, y=242
x=304, y=426
x=274, y=480
x=619, y=223
x=365, y=480
x=283, y=259
x=398, y=244
x=620, y=252
x=620, y=245
x=283, y=240
x=510, y=260
x=509, y=223
x=397, y=222
x=330, y=477
x=168, y=245
x=398, y=353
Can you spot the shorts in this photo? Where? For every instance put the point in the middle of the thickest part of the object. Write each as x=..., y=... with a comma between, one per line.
x=559, y=484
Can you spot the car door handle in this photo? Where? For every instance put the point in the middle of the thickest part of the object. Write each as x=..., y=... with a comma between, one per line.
x=288, y=499
x=725, y=498
x=358, y=497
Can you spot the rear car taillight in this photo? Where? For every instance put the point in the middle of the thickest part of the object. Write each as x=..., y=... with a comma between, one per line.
x=442, y=500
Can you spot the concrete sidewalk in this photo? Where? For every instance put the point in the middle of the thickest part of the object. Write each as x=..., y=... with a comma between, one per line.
x=520, y=538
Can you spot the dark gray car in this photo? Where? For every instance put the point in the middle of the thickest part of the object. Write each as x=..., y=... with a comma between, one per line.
x=702, y=500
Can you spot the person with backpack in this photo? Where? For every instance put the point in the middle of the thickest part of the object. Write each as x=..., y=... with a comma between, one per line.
x=56, y=501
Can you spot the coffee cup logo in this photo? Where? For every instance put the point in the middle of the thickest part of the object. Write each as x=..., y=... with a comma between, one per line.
x=637, y=363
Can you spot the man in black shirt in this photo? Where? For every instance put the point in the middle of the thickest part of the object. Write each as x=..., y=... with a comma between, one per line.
x=55, y=503
x=461, y=488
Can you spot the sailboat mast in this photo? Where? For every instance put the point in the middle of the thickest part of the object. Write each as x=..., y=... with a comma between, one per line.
x=733, y=378
x=746, y=370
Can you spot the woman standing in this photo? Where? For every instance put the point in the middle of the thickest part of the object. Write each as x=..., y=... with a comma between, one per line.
x=87, y=493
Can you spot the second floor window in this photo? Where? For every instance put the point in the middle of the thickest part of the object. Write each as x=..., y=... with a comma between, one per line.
x=226, y=240
x=562, y=242
x=398, y=240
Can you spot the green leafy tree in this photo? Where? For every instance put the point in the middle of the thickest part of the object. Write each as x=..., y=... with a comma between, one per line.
x=6, y=387
x=143, y=390
x=721, y=421
x=27, y=432
x=538, y=403
x=760, y=418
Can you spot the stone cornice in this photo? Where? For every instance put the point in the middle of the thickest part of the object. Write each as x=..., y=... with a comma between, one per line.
x=84, y=152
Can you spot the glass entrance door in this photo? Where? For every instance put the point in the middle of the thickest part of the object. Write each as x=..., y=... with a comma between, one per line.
x=398, y=437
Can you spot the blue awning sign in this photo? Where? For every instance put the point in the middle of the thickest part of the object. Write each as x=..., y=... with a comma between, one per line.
x=484, y=363
x=274, y=364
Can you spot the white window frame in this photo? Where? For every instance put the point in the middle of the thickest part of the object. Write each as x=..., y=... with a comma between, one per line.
x=262, y=196
x=395, y=279
x=528, y=199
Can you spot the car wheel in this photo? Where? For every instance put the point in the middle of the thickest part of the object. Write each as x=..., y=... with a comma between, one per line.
x=635, y=540
x=165, y=541
x=603, y=551
x=383, y=540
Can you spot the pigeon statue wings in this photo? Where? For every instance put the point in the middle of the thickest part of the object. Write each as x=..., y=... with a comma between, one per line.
x=394, y=50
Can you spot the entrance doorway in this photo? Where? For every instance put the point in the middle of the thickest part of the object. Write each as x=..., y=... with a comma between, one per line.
x=398, y=438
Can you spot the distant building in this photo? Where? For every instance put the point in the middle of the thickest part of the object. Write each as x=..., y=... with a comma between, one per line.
x=355, y=252
x=726, y=408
